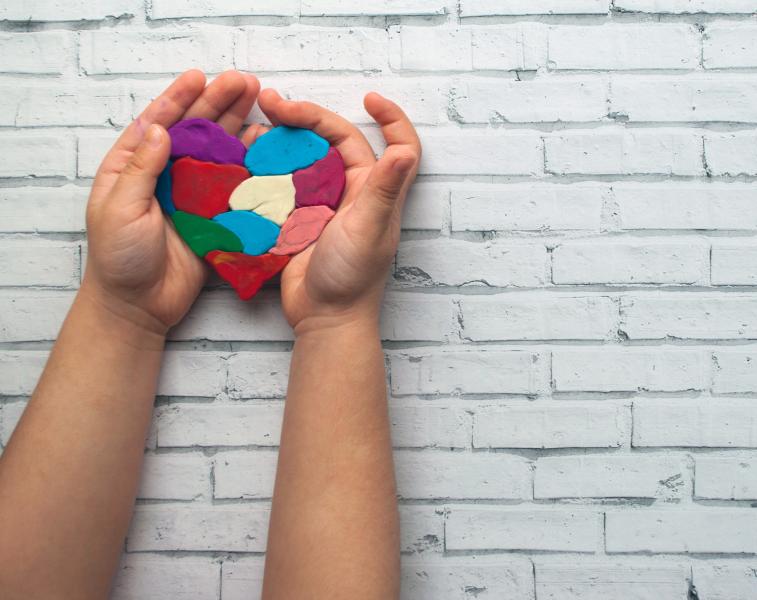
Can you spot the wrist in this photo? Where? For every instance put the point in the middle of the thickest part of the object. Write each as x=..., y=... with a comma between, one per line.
x=364, y=323
x=124, y=319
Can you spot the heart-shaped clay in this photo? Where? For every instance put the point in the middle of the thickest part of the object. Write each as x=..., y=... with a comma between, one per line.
x=242, y=219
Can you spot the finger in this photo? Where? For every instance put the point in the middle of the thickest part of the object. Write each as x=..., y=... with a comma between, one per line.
x=165, y=110
x=136, y=184
x=218, y=96
x=253, y=132
x=386, y=187
x=395, y=125
x=234, y=117
x=343, y=135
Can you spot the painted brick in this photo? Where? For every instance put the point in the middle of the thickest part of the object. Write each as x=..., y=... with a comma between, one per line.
x=386, y=7
x=185, y=528
x=537, y=317
x=192, y=374
x=686, y=206
x=9, y=418
x=26, y=106
x=484, y=578
x=598, y=581
x=688, y=316
x=242, y=578
x=421, y=530
x=730, y=46
x=175, y=477
x=219, y=315
x=433, y=475
x=429, y=425
x=695, y=423
x=726, y=478
x=20, y=371
x=551, y=425
x=687, y=6
x=150, y=51
x=32, y=316
x=242, y=474
x=305, y=49
x=92, y=148
x=679, y=99
x=731, y=153
x=483, y=8
x=39, y=53
x=175, y=9
x=733, y=263
x=726, y=581
x=38, y=209
x=682, y=531
x=734, y=371
x=258, y=374
x=25, y=154
x=489, y=101
x=418, y=317
x=493, y=371
x=609, y=476
x=660, y=152
x=629, y=369
x=153, y=577
x=72, y=10
x=646, y=261
x=498, y=528
x=625, y=47
x=462, y=263
x=529, y=207
x=486, y=153
x=185, y=425
x=51, y=264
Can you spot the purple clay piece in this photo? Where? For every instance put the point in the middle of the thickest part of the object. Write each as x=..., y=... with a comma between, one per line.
x=206, y=141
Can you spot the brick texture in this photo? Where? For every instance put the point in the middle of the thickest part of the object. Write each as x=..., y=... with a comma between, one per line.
x=569, y=325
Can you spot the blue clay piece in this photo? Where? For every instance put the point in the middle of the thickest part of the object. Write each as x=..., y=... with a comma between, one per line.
x=163, y=190
x=258, y=234
x=283, y=150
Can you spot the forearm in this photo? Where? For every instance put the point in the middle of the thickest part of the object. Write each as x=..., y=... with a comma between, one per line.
x=69, y=475
x=335, y=488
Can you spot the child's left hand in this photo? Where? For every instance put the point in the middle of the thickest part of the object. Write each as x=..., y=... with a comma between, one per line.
x=137, y=265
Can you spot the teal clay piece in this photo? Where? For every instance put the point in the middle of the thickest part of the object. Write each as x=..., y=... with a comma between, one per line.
x=283, y=150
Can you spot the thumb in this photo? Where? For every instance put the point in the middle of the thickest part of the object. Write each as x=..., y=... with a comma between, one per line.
x=136, y=183
x=386, y=186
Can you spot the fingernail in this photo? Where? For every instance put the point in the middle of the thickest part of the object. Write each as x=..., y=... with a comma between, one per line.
x=154, y=136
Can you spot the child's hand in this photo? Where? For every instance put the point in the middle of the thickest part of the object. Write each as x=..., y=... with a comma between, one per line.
x=137, y=265
x=341, y=277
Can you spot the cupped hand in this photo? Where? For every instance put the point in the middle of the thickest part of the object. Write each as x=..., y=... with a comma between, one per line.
x=137, y=266
x=342, y=275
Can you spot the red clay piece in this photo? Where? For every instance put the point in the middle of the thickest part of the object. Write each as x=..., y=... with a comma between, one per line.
x=246, y=273
x=302, y=228
x=322, y=183
x=203, y=188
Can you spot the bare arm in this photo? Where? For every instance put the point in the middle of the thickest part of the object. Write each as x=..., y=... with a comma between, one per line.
x=334, y=529
x=69, y=475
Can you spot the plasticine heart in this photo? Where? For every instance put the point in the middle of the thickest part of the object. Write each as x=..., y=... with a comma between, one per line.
x=220, y=207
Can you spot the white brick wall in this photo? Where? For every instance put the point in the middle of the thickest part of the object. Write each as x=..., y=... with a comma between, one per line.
x=569, y=326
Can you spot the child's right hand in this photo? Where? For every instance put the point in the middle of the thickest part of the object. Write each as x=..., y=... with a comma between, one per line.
x=341, y=277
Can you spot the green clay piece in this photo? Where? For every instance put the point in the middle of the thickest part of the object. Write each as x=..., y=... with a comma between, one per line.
x=203, y=235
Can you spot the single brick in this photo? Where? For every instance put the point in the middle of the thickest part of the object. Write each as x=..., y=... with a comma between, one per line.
x=551, y=425
x=706, y=423
x=505, y=528
x=629, y=369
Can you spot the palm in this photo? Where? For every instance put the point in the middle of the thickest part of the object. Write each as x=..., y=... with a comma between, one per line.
x=326, y=271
